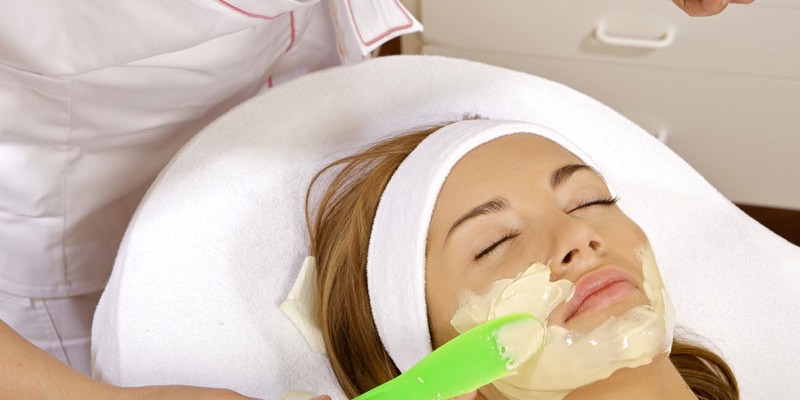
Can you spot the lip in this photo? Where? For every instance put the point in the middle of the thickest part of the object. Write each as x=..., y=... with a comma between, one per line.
x=599, y=288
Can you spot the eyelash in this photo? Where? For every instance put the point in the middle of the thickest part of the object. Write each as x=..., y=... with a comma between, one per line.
x=608, y=201
x=485, y=252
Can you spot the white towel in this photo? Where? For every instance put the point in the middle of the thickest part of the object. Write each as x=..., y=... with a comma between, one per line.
x=218, y=240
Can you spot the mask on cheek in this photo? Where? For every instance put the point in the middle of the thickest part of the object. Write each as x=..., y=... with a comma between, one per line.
x=569, y=359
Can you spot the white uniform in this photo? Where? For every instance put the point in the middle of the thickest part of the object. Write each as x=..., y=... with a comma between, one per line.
x=95, y=98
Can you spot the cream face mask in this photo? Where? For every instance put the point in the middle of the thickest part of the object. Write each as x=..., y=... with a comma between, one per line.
x=571, y=359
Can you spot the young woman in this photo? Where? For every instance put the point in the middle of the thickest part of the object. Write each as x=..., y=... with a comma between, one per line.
x=408, y=227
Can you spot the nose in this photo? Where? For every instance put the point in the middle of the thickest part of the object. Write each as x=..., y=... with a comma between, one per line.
x=578, y=246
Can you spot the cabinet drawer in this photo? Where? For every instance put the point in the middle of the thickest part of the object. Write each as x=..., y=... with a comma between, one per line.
x=739, y=131
x=762, y=38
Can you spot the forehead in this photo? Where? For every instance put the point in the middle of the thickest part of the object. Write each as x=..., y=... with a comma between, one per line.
x=516, y=167
x=520, y=154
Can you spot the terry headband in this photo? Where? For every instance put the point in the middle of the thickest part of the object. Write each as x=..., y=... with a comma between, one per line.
x=396, y=257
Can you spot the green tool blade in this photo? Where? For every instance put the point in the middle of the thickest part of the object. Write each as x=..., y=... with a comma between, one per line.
x=466, y=363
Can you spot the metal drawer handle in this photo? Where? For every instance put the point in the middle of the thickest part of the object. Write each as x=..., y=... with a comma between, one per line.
x=663, y=42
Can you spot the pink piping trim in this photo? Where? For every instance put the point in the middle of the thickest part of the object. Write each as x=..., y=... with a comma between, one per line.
x=239, y=10
x=291, y=41
x=384, y=34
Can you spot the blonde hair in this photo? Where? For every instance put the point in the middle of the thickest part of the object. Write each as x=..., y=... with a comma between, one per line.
x=340, y=231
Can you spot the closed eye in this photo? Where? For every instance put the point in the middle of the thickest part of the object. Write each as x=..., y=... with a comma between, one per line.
x=608, y=201
x=495, y=245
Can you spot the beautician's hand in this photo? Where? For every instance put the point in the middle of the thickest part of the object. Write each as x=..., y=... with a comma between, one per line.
x=172, y=393
x=704, y=8
x=26, y=372
x=181, y=393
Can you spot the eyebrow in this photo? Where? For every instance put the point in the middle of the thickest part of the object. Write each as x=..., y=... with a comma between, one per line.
x=495, y=205
x=562, y=174
x=500, y=204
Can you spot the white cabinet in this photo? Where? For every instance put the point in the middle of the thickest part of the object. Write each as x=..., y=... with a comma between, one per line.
x=724, y=90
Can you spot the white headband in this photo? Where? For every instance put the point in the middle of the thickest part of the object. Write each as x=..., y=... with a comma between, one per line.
x=396, y=258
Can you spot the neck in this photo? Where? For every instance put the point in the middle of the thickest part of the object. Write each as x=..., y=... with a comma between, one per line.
x=657, y=380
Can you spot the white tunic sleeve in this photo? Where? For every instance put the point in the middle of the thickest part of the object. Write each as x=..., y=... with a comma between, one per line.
x=58, y=38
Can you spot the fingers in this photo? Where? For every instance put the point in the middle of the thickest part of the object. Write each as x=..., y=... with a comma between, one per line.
x=714, y=7
x=705, y=8
x=322, y=397
x=701, y=8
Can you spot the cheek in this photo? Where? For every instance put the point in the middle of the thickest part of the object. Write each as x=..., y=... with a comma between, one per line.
x=628, y=239
x=636, y=235
x=442, y=299
x=624, y=231
x=443, y=289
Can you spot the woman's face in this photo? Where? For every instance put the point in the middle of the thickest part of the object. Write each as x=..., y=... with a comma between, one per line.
x=522, y=199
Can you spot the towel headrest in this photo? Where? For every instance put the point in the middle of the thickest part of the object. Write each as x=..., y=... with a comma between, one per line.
x=220, y=237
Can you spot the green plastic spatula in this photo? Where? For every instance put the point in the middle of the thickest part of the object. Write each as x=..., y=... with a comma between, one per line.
x=466, y=363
